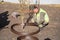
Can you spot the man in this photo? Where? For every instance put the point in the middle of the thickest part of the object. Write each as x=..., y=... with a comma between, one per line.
x=40, y=17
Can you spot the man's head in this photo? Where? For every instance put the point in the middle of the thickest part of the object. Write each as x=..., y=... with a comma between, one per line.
x=34, y=9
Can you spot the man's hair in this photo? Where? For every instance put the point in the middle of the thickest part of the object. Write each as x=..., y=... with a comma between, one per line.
x=33, y=7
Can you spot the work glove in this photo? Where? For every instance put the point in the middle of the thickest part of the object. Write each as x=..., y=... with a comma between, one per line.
x=40, y=26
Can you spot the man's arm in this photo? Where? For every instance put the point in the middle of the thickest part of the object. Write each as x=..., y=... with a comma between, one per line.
x=45, y=20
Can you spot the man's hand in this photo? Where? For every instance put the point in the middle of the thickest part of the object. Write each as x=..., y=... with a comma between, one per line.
x=41, y=26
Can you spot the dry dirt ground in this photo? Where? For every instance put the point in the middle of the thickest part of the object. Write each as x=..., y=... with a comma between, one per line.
x=51, y=31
